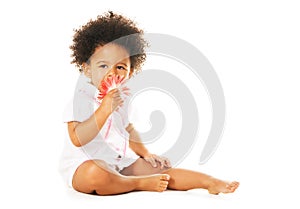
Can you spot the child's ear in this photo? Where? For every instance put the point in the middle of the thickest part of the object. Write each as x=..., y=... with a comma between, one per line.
x=87, y=70
x=131, y=72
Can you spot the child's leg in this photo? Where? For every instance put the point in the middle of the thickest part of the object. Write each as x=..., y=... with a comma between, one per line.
x=95, y=176
x=182, y=179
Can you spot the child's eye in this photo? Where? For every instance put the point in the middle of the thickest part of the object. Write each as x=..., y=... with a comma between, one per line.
x=103, y=66
x=121, y=68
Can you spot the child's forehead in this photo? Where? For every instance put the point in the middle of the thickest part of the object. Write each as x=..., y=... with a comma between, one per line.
x=110, y=53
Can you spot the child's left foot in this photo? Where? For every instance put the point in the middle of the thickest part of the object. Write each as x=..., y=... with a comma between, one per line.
x=219, y=186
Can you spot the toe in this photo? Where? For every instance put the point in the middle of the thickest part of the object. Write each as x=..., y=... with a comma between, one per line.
x=235, y=184
x=163, y=184
x=162, y=188
x=165, y=177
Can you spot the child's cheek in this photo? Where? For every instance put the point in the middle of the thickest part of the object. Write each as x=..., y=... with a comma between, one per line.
x=97, y=80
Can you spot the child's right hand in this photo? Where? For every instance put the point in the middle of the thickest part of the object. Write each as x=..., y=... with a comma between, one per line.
x=112, y=100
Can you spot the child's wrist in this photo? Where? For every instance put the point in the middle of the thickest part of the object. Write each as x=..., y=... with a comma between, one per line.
x=146, y=154
x=129, y=128
x=103, y=111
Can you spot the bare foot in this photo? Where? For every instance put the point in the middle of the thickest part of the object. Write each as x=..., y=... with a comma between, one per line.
x=219, y=186
x=156, y=182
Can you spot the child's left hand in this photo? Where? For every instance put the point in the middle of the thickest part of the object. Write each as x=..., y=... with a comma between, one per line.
x=153, y=159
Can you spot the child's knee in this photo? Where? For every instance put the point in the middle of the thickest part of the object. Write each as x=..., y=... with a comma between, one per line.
x=91, y=175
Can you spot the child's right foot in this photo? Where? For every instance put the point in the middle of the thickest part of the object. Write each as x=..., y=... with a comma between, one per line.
x=219, y=186
x=156, y=182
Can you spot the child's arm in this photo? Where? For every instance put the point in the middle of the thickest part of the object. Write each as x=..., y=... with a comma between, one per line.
x=82, y=133
x=136, y=144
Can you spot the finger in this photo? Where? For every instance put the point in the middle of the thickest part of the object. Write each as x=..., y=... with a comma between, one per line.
x=119, y=99
x=116, y=93
x=126, y=93
x=118, y=102
x=152, y=161
x=113, y=91
x=125, y=88
x=160, y=160
x=168, y=162
x=164, y=164
x=116, y=96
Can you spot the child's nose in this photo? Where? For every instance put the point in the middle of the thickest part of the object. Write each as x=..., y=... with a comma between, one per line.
x=112, y=72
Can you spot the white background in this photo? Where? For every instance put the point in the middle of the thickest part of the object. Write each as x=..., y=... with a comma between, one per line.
x=254, y=47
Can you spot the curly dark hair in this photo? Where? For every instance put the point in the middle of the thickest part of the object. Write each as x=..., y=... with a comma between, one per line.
x=109, y=27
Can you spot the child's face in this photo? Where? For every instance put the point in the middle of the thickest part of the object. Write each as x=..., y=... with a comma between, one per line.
x=107, y=60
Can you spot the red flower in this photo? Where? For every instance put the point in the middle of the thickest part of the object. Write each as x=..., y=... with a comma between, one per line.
x=110, y=83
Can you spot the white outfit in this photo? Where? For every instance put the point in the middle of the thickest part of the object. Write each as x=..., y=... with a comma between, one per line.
x=110, y=145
